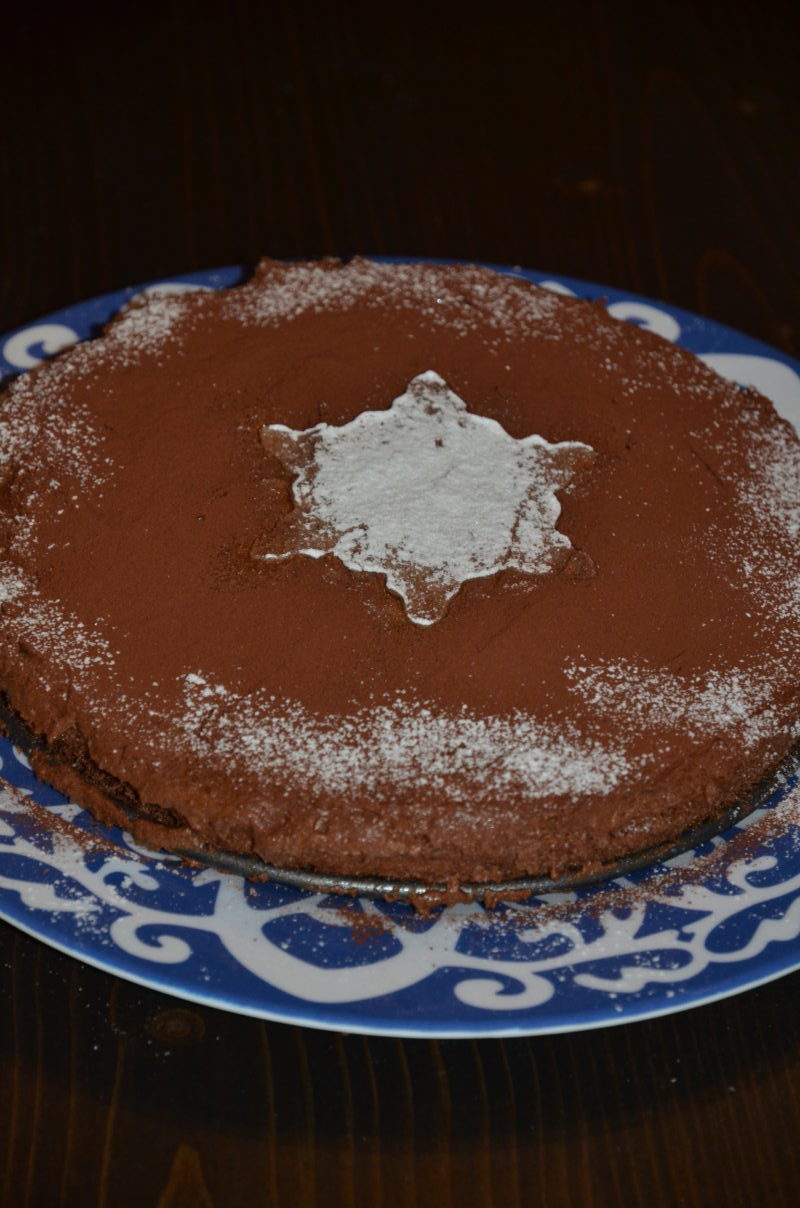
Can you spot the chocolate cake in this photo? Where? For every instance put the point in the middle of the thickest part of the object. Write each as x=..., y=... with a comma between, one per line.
x=404, y=570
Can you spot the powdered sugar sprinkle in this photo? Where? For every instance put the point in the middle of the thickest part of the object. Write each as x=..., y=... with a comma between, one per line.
x=405, y=745
x=426, y=493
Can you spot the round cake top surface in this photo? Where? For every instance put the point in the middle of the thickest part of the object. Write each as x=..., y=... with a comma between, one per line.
x=410, y=568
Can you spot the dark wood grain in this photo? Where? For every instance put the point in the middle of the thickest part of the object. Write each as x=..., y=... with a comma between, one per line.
x=652, y=147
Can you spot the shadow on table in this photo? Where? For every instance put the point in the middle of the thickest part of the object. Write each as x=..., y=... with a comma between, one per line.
x=110, y=1077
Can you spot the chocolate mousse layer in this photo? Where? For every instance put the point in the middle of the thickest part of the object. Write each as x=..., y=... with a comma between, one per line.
x=223, y=613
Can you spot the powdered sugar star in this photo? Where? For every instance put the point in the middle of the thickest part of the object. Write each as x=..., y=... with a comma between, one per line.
x=426, y=493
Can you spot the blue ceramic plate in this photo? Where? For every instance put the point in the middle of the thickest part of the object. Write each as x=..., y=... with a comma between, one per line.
x=711, y=923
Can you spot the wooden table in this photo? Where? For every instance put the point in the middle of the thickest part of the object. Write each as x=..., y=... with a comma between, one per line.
x=652, y=147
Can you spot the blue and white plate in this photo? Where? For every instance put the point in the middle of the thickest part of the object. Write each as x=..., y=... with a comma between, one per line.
x=713, y=922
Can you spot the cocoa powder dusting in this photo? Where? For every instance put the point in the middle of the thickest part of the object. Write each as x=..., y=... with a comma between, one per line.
x=291, y=709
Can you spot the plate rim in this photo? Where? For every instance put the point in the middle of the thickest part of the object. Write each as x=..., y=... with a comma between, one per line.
x=774, y=961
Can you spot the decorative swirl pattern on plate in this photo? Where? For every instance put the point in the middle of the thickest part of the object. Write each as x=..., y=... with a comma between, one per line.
x=637, y=947
x=327, y=951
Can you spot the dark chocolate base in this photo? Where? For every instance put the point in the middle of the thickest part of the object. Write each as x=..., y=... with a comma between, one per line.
x=123, y=799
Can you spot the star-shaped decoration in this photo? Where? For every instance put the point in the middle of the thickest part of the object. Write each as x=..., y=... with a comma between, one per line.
x=425, y=493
